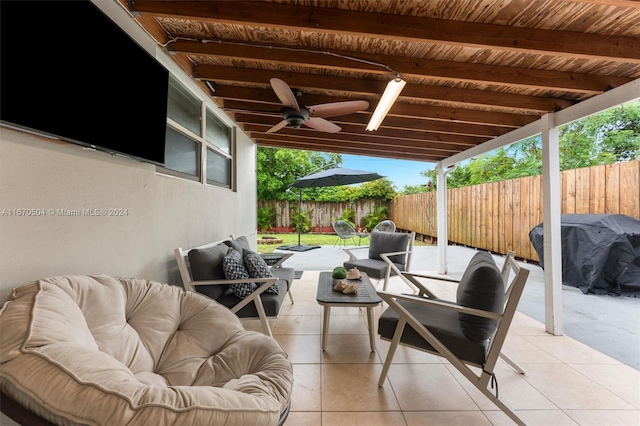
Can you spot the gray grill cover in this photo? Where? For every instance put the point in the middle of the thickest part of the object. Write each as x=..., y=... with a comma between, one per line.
x=600, y=252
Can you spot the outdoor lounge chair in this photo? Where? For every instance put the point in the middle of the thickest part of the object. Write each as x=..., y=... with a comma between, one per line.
x=389, y=253
x=469, y=332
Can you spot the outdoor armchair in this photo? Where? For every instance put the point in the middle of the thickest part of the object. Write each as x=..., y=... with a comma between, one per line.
x=388, y=253
x=469, y=332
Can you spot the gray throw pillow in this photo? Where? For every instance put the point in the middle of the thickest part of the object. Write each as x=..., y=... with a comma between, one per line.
x=239, y=244
x=481, y=287
x=258, y=268
x=388, y=242
x=206, y=264
x=234, y=269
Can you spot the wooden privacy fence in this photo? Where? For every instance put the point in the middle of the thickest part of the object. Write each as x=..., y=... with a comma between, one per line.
x=498, y=216
x=321, y=214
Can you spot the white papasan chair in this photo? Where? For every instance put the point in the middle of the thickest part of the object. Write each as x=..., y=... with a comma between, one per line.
x=99, y=350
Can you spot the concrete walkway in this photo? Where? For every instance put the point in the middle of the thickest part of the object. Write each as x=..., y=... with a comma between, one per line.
x=606, y=323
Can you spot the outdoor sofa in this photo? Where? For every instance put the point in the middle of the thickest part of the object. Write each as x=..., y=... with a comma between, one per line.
x=202, y=270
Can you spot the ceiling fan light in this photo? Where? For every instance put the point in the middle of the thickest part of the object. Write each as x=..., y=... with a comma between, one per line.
x=391, y=93
x=295, y=121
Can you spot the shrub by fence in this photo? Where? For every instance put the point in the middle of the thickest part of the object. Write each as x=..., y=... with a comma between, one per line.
x=498, y=216
x=321, y=214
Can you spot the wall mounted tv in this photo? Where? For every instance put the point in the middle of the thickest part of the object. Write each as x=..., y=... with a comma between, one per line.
x=67, y=70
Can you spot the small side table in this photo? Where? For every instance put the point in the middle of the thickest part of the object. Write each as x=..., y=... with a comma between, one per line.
x=275, y=260
x=367, y=297
x=362, y=235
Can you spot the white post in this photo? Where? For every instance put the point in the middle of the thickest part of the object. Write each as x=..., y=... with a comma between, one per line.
x=443, y=237
x=551, y=219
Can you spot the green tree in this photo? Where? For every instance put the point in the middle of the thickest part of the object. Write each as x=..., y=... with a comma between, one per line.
x=605, y=138
x=414, y=189
x=381, y=189
x=615, y=131
x=278, y=168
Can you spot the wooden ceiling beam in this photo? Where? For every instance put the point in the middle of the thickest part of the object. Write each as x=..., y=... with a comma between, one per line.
x=310, y=146
x=398, y=27
x=452, y=143
x=404, y=126
x=414, y=111
x=526, y=78
x=337, y=140
x=374, y=87
x=337, y=146
x=617, y=3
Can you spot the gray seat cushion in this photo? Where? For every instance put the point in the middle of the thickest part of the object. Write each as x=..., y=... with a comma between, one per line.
x=382, y=242
x=480, y=287
x=442, y=323
x=272, y=302
x=285, y=274
x=373, y=268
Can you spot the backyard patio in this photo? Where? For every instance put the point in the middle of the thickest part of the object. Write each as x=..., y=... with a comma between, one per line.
x=567, y=381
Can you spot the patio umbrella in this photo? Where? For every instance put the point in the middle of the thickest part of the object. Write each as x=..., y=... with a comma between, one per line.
x=332, y=177
x=335, y=177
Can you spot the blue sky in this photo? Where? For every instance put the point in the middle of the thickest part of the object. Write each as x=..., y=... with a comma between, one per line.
x=400, y=172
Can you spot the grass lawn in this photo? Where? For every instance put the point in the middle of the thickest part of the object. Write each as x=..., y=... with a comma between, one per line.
x=308, y=239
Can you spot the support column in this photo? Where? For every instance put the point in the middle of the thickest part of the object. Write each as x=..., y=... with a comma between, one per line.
x=443, y=237
x=551, y=219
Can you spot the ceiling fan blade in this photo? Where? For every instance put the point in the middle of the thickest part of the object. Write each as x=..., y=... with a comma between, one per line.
x=335, y=109
x=277, y=127
x=322, y=125
x=284, y=93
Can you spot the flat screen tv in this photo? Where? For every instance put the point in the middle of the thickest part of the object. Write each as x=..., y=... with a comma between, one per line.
x=68, y=71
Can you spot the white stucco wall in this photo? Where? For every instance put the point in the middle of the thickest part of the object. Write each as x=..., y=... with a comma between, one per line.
x=162, y=212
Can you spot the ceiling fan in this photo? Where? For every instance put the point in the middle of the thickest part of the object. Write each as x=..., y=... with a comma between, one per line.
x=294, y=115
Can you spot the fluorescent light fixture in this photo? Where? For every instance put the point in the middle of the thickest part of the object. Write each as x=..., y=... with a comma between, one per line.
x=391, y=93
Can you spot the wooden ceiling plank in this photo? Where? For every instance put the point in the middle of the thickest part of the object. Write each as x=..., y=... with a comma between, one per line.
x=393, y=124
x=368, y=87
x=617, y=3
x=336, y=146
x=349, y=149
x=398, y=27
x=526, y=78
x=451, y=143
x=416, y=111
x=424, y=148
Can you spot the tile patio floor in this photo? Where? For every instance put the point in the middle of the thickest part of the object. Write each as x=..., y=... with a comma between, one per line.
x=567, y=382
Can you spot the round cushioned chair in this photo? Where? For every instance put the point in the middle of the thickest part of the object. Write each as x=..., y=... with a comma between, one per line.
x=385, y=226
x=100, y=350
